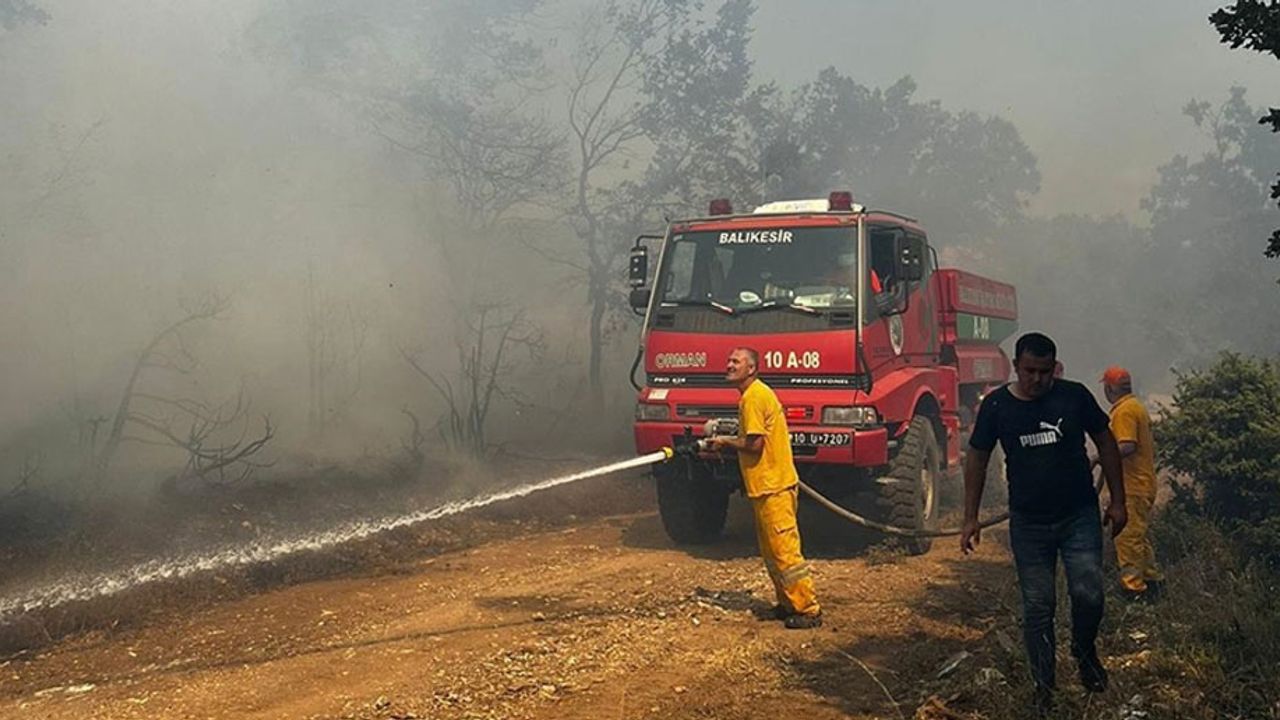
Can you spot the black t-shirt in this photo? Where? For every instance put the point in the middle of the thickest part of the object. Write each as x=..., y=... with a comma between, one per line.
x=1043, y=441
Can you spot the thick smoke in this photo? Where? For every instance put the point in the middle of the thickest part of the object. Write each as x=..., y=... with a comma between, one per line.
x=361, y=183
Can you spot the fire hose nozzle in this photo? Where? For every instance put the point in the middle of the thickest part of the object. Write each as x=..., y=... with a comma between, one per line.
x=689, y=446
x=720, y=426
x=690, y=449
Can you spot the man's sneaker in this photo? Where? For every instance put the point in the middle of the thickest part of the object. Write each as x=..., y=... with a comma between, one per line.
x=1042, y=701
x=803, y=622
x=1092, y=675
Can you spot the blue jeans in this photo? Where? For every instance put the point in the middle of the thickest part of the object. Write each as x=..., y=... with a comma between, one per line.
x=1036, y=546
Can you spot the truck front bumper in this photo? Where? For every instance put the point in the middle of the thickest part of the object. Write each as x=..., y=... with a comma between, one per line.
x=820, y=444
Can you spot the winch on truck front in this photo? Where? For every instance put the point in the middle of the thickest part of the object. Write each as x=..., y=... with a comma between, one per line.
x=878, y=356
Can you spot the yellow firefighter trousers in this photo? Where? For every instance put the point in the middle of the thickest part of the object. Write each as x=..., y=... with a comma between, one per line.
x=779, y=538
x=1134, y=553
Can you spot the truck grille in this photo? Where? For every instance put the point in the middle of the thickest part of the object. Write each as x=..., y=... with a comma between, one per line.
x=706, y=411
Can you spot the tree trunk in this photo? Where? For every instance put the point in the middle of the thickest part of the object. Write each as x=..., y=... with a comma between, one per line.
x=596, y=340
x=313, y=360
x=112, y=443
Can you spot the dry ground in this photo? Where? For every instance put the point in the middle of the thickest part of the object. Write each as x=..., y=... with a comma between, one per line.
x=601, y=617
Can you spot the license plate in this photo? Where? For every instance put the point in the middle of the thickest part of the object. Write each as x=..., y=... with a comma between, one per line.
x=812, y=438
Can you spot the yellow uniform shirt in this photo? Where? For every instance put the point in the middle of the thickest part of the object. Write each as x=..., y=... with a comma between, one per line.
x=1130, y=423
x=760, y=413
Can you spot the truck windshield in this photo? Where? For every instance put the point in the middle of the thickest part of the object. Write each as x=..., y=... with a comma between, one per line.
x=809, y=267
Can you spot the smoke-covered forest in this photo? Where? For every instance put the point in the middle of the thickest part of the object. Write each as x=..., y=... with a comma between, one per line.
x=365, y=223
x=312, y=260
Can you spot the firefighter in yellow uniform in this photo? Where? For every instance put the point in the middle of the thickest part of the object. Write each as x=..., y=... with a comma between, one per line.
x=1131, y=426
x=763, y=445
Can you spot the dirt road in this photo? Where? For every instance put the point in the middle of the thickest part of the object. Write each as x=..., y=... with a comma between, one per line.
x=604, y=618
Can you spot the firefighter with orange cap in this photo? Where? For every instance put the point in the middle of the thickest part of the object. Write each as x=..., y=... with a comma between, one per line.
x=1131, y=425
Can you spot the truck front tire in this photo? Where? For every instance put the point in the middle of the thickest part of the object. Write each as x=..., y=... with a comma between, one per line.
x=908, y=495
x=692, y=502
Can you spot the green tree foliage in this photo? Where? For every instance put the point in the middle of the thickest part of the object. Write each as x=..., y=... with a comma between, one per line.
x=1204, y=214
x=966, y=174
x=1065, y=269
x=1173, y=294
x=1224, y=433
x=695, y=113
x=447, y=82
x=1255, y=25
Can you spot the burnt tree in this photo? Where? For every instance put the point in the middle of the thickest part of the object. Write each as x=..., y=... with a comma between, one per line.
x=335, y=335
x=187, y=424
x=489, y=349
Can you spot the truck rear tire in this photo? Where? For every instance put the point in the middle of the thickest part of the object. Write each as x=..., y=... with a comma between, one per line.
x=908, y=494
x=692, y=502
x=996, y=493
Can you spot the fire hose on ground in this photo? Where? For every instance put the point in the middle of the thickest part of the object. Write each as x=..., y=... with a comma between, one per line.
x=903, y=532
x=854, y=517
x=688, y=451
x=690, y=447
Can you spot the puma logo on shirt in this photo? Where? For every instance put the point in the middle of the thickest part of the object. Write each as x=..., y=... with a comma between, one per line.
x=1051, y=435
x=1057, y=427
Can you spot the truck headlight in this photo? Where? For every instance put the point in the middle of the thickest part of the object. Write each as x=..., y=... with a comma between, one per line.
x=653, y=411
x=857, y=416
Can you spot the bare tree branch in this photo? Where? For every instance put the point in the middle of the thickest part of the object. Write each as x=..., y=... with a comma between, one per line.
x=238, y=453
x=210, y=308
x=29, y=470
x=160, y=416
x=52, y=187
x=615, y=47
x=489, y=335
x=186, y=405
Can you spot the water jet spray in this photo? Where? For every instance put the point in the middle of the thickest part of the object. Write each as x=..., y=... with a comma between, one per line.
x=85, y=587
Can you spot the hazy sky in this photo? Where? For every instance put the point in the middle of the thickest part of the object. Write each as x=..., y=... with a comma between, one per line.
x=1096, y=88
x=148, y=156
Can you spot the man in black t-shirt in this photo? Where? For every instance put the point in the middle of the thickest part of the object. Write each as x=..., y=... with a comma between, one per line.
x=1041, y=423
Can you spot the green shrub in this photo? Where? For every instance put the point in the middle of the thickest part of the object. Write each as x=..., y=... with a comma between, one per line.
x=1223, y=433
x=1215, y=641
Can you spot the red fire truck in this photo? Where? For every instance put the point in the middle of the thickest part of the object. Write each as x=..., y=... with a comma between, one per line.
x=878, y=356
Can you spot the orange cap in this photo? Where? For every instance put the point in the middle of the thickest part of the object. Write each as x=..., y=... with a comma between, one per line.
x=1116, y=375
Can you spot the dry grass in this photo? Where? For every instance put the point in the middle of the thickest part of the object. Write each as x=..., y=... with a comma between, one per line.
x=1210, y=650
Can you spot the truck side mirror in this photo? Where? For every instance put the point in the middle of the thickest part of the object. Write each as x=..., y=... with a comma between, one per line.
x=638, y=270
x=638, y=274
x=910, y=255
x=640, y=299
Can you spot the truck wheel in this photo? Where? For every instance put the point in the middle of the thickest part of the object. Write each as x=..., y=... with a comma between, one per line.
x=996, y=491
x=693, y=503
x=908, y=495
